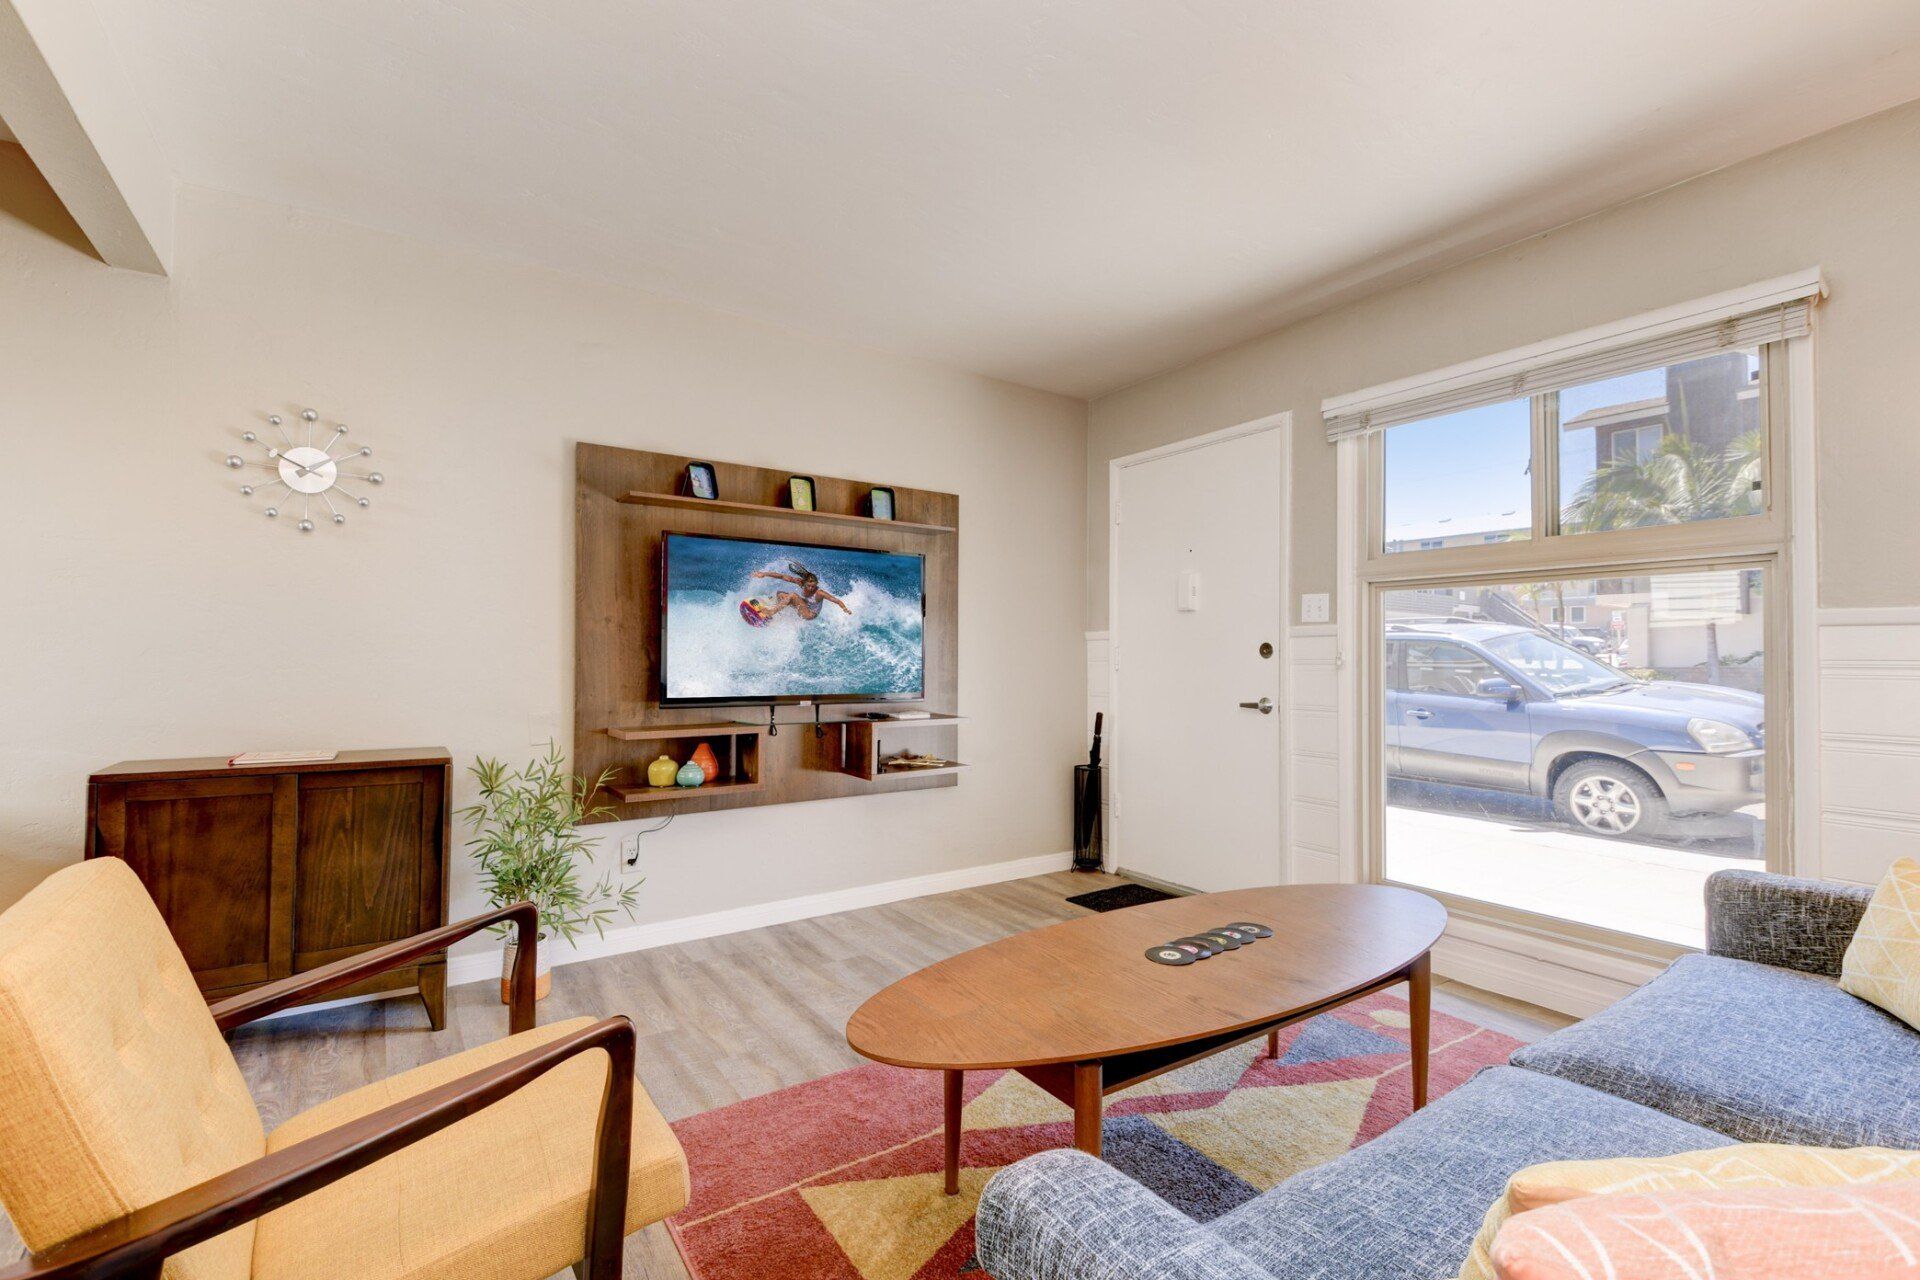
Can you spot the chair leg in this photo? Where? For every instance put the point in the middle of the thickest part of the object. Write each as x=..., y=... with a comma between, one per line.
x=580, y=1270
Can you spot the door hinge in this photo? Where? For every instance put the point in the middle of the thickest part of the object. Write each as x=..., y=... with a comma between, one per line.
x=1116, y=513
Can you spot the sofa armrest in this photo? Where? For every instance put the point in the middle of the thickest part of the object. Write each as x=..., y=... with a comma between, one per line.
x=1783, y=921
x=1063, y=1215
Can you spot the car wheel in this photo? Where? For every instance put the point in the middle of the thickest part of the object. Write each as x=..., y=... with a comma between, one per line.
x=1610, y=798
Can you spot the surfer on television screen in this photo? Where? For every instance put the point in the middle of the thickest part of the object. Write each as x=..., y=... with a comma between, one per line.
x=805, y=602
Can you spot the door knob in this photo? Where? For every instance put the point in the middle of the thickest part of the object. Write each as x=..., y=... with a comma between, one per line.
x=1264, y=706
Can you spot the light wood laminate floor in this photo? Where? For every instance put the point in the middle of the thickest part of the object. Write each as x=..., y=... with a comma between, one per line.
x=719, y=1019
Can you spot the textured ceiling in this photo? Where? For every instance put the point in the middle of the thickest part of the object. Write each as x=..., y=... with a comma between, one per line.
x=1067, y=195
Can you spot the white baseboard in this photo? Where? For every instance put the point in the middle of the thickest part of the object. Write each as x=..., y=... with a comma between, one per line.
x=482, y=966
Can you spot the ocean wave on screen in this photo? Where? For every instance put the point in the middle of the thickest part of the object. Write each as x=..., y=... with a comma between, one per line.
x=712, y=652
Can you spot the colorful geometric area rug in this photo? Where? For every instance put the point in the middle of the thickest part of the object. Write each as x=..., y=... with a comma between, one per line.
x=840, y=1178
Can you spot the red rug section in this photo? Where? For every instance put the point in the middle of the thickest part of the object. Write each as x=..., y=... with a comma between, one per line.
x=751, y=1160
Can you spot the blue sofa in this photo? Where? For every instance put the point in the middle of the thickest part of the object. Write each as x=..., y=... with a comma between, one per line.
x=1751, y=1042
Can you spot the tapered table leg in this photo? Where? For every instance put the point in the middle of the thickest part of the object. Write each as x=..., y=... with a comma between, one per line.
x=1273, y=1043
x=1420, y=1008
x=954, y=1080
x=1086, y=1107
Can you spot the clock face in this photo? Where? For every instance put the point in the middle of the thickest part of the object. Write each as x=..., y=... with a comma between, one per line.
x=306, y=476
x=308, y=470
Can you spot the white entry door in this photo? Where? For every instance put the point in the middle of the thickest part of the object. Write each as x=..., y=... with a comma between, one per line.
x=1197, y=616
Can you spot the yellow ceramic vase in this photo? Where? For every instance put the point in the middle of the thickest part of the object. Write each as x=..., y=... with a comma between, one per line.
x=661, y=772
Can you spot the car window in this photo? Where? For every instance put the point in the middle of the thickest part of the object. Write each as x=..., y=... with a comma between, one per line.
x=1396, y=667
x=1558, y=668
x=1442, y=666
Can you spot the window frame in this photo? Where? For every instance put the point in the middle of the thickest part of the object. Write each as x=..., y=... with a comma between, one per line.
x=1550, y=548
x=1759, y=541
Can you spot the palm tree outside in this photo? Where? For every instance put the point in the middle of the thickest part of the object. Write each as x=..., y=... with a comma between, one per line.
x=1679, y=482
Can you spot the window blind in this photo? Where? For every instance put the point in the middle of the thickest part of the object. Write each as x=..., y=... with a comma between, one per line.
x=1587, y=362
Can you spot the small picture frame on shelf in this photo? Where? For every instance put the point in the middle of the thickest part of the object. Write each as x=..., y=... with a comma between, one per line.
x=880, y=503
x=702, y=482
x=800, y=492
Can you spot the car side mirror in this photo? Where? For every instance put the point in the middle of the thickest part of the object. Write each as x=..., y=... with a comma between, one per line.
x=1496, y=687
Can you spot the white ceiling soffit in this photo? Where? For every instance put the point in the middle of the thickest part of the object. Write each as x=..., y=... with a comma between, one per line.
x=66, y=100
x=1070, y=195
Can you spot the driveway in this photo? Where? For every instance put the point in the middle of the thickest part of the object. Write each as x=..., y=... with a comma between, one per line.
x=1509, y=849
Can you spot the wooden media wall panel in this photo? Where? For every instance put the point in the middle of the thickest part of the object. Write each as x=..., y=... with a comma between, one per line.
x=624, y=500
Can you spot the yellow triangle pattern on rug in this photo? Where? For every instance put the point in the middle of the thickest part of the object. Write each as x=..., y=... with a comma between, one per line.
x=1267, y=1135
x=1012, y=1101
x=889, y=1228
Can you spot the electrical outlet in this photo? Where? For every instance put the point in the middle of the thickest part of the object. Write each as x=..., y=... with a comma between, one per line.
x=630, y=849
x=1316, y=607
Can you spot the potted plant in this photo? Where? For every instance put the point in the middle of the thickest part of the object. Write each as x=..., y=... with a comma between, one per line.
x=528, y=847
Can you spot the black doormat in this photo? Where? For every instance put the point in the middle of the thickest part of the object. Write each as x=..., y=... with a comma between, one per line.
x=1124, y=895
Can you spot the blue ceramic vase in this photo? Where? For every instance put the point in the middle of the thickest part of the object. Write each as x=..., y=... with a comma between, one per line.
x=691, y=775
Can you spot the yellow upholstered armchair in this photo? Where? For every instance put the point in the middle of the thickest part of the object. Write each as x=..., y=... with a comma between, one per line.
x=129, y=1146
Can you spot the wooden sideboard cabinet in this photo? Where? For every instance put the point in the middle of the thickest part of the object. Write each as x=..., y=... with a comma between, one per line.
x=270, y=870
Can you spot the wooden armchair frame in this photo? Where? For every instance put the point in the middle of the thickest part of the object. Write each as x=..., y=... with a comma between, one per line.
x=136, y=1245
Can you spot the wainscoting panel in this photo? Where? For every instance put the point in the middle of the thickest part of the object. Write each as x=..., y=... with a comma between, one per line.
x=1869, y=761
x=1315, y=796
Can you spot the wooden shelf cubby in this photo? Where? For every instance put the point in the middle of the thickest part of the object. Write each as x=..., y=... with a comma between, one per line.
x=735, y=745
x=861, y=747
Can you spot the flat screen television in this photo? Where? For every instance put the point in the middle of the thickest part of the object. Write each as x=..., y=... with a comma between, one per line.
x=746, y=621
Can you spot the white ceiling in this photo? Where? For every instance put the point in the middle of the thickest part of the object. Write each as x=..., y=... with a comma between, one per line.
x=1070, y=194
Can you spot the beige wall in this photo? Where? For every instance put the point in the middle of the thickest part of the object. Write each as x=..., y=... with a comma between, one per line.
x=1848, y=201
x=151, y=611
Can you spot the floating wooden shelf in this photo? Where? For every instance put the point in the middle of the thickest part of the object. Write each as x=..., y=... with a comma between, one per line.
x=655, y=732
x=625, y=502
x=860, y=747
x=641, y=793
x=736, y=746
x=639, y=498
x=955, y=767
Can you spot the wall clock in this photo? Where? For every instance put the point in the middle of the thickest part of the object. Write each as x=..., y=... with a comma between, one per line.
x=306, y=471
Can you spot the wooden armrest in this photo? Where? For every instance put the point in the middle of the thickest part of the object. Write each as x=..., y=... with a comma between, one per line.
x=275, y=996
x=135, y=1246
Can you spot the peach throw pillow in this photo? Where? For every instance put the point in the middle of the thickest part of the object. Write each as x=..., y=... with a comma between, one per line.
x=1752, y=1165
x=1807, y=1233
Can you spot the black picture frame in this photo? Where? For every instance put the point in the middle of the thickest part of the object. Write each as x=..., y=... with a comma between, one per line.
x=800, y=494
x=880, y=503
x=703, y=481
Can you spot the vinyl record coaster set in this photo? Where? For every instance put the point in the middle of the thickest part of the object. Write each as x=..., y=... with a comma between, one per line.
x=1201, y=946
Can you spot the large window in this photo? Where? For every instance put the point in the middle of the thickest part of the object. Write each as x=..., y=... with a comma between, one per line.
x=1595, y=774
x=1576, y=600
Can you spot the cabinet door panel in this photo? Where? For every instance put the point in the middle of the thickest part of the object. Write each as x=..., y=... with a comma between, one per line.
x=360, y=857
x=205, y=850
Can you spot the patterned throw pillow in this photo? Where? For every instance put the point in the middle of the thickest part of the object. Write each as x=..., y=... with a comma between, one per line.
x=1754, y=1165
x=1882, y=964
x=1807, y=1233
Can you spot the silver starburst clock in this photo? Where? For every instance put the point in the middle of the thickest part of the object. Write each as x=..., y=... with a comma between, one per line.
x=305, y=470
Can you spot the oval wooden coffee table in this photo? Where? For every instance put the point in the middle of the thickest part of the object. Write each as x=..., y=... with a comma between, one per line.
x=1079, y=1010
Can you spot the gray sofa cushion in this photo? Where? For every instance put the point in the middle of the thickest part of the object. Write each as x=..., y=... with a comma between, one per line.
x=1759, y=1053
x=1779, y=920
x=1406, y=1205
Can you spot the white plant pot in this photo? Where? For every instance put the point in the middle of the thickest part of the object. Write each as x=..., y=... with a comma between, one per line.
x=542, y=970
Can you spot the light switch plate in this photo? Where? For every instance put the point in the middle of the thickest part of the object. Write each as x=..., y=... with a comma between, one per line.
x=1187, y=593
x=1316, y=607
